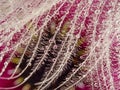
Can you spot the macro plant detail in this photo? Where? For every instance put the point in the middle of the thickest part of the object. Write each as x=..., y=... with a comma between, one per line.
x=59, y=44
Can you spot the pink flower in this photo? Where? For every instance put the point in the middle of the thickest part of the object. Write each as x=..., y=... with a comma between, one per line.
x=91, y=25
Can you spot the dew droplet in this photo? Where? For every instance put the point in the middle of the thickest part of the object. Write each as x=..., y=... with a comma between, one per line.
x=6, y=63
x=1, y=58
x=55, y=47
x=51, y=40
x=29, y=64
x=97, y=11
